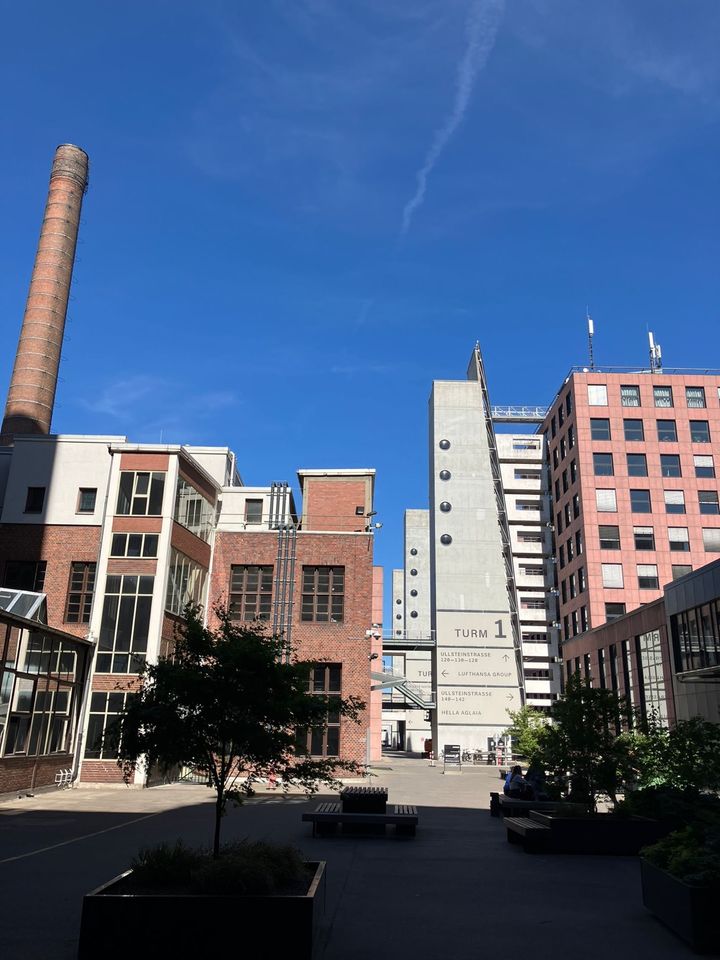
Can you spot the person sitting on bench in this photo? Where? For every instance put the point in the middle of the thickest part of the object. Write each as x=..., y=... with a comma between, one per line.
x=516, y=786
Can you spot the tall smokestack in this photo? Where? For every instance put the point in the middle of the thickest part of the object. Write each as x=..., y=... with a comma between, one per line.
x=31, y=395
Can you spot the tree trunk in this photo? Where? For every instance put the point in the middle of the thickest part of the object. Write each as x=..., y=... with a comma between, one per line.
x=218, y=818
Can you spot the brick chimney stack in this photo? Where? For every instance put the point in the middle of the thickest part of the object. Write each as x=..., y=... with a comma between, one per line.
x=31, y=395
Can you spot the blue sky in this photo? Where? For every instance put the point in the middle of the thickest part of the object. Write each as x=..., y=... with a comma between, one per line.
x=303, y=211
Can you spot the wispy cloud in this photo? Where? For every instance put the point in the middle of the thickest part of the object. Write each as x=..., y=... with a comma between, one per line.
x=481, y=30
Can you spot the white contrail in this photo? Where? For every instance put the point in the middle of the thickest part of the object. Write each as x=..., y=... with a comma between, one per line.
x=481, y=29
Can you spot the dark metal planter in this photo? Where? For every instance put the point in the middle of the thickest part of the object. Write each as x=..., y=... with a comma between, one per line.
x=148, y=926
x=690, y=912
x=599, y=833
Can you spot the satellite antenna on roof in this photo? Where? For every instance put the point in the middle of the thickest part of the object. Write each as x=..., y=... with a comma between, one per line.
x=591, y=334
x=655, y=354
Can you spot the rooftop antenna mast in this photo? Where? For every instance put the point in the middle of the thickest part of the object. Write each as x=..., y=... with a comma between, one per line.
x=655, y=354
x=591, y=334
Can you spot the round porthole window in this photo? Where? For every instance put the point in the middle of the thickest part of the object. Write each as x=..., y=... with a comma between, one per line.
x=445, y=507
x=413, y=552
x=444, y=444
x=413, y=593
x=398, y=601
x=398, y=616
x=446, y=539
x=413, y=614
x=445, y=474
x=413, y=572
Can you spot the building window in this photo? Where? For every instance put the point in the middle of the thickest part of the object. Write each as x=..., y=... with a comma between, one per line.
x=253, y=511
x=614, y=610
x=612, y=575
x=640, y=501
x=648, y=576
x=565, y=484
x=125, y=624
x=562, y=557
x=533, y=603
x=324, y=740
x=25, y=575
x=575, y=623
x=634, y=430
x=603, y=464
x=644, y=538
x=563, y=591
x=679, y=538
x=134, y=545
x=571, y=437
x=576, y=505
x=711, y=539
x=704, y=466
x=637, y=465
x=570, y=552
x=140, y=494
x=695, y=396
x=609, y=538
x=630, y=396
x=597, y=395
x=566, y=514
x=561, y=416
x=557, y=489
x=699, y=431
x=578, y=543
x=192, y=510
x=35, y=500
x=652, y=677
x=667, y=431
x=663, y=396
x=581, y=579
x=606, y=501
x=103, y=733
x=558, y=519
x=670, y=465
x=185, y=584
x=674, y=501
x=555, y=458
x=323, y=590
x=573, y=471
x=568, y=404
x=87, y=497
x=599, y=428
x=80, y=592
x=708, y=500
x=572, y=586
x=563, y=448
x=528, y=505
x=251, y=592
x=680, y=570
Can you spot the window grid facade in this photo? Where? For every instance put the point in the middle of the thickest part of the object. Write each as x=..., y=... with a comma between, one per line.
x=251, y=589
x=323, y=594
x=80, y=592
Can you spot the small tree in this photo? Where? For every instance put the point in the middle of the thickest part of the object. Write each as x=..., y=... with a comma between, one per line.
x=526, y=731
x=230, y=701
x=581, y=747
x=685, y=757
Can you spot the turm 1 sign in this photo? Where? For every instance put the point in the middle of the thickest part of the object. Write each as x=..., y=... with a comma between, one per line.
x=474, y=629
x=462, y=706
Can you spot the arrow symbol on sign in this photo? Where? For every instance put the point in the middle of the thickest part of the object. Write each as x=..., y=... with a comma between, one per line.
x=509, y=697
x=444, y=673
x=506, y=657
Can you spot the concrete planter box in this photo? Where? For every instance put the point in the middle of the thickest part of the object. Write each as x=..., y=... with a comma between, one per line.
x=690, y=912
x=115, y=925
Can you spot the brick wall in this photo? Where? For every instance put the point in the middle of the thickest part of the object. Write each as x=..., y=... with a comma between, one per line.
x=59, y=546
x=27, y=773
x=330, y=503
x=344, y=642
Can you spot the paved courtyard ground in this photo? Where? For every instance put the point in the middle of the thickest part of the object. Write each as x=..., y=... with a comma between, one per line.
x=458, y=890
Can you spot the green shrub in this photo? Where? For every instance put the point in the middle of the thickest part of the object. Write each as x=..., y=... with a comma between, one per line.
x=242, y=868
x=691, y=855
x=672, y=806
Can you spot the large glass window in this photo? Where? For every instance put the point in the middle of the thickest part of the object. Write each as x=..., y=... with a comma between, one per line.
x=674, y=501
x=250, y=592
x=125, y=624
x=323, y=594
x=711, y=539
x=80, y=592
x=648, y=576
x=681, y=570
x=667, y=431
x=630, y=396
x=609, y=538
x=644, y=538
x=637, y=465
x=663, y=396
x=700, y=431
x=35, y=500
x=324, y=740
x=192, y=510
x=695, y=396
x=612, y=575
x=614, y=610
x=103, y=733
x=651, y=673
x=670, y=465
x=599, y=428
x=679, y=539
x=603, y=464
x=704, y=466
x=597, y=395
x=134, y=545
x=708, y=501
x=606, y=501
x=141, y=494
x=640, y=501
x=25, y=575
x=634, y=429
x=186, y=583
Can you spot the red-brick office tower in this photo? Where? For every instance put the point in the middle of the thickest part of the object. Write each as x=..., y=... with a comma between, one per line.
x=311, y=579
x=633, y=465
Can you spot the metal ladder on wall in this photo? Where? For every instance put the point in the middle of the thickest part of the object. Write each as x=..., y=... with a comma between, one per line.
x=284, y=584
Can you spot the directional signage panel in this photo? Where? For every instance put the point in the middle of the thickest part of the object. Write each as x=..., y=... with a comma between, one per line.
x=472, y=629
x=468, y=705
x=489, y=666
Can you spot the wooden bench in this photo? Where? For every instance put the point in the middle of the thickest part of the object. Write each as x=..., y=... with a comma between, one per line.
x=526, y=831
x=494, y=803
x=326, y=817
x=513, y=806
